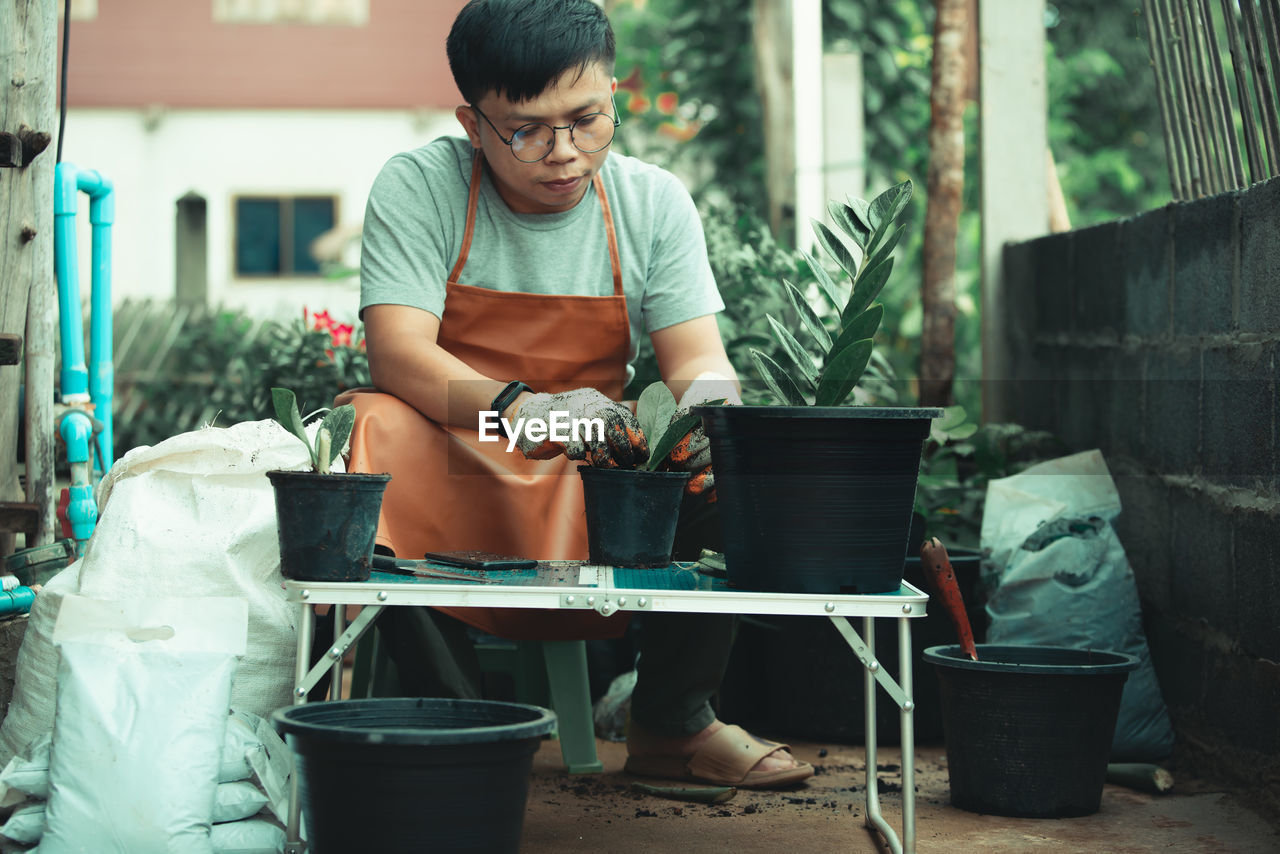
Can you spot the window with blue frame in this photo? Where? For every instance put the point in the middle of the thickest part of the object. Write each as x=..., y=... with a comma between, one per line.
x=273, y=234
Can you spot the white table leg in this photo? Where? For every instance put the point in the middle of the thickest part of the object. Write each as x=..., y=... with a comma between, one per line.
x=908, y=737
x=306, y=629
x=339, y=626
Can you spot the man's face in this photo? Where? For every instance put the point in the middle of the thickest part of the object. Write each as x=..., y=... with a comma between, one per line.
x=559, y=181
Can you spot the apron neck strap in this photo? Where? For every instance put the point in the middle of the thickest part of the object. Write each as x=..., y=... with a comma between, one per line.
x=473, y=196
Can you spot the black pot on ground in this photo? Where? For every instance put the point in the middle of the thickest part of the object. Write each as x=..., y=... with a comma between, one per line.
x=1029, y=728
x=816, y=499
x=327, y=523
x=631, y=515
x=407, y=775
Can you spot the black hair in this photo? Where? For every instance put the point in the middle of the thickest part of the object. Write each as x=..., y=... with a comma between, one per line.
x=518, y=48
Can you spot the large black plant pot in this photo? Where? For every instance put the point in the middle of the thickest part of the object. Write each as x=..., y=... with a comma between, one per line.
x=816, y=499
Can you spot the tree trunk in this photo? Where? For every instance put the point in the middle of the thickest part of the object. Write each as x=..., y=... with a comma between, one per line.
x=773, y=35
x=28, y=80
x=942, y=215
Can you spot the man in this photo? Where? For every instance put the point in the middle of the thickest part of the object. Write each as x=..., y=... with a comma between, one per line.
x=513, y=271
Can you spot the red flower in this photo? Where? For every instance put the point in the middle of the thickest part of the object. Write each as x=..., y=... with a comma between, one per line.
x=667, y=102
x=638, y=104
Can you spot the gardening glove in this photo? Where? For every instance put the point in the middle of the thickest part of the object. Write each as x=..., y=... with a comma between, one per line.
x=693, y=452
x=623, y=446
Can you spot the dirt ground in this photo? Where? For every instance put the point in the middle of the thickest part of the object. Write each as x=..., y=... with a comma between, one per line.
x=601, y=813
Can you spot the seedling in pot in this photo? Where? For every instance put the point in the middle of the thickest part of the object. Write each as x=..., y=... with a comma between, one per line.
x=331, y=438
x=655, y=410
x=863, y=247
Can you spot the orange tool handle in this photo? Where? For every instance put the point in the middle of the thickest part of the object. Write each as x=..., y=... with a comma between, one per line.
x=942, y=578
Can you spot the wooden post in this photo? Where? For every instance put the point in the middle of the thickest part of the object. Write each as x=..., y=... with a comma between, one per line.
x=1013, y=106
x=773, y=75
x=945, y=192
x=788, y=52
x=28, y=81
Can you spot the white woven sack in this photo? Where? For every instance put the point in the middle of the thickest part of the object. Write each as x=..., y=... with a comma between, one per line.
x=191, y=516
x=30, y=713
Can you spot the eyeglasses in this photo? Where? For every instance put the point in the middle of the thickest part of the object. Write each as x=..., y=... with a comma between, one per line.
x=533, y=142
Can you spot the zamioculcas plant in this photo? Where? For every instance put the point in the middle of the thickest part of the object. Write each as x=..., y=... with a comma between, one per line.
x=331, y=438
x=654, y=410
x=863, y=247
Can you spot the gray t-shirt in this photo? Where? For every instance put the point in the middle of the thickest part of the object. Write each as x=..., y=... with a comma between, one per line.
x=417, y=212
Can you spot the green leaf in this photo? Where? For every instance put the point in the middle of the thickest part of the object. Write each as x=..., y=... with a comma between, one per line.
x=846, y=256
x=778, y=381
x=825, y=283
x=877, y=236
x=847, y=221
x=862, y=210
x=654, y=409
x=339, y=422
x=676, y=431
x=860, y=327
x=843, y=373
x=890, y=203
x=885, y=249
x=866, y=290
x=808, y=316
x=286, y=405
x=794, y=350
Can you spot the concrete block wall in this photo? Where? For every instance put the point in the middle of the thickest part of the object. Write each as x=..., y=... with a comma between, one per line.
x=1156, y=339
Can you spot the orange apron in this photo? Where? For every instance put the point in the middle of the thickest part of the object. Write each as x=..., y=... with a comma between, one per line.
x=450, y=491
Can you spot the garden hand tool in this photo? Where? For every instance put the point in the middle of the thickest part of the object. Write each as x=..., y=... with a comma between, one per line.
x=623, y=445
x=387, y=563
x=942, y=579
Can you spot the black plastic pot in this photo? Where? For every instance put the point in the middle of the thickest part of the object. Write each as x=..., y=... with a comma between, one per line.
x=408, y=775
x=1029, y=728
x=327, y=523
x=816, y=499
x=631, y=515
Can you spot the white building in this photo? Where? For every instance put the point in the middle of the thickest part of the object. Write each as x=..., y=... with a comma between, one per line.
x=235, y=131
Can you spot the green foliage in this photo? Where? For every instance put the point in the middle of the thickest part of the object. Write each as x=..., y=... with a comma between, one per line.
x=1104, y=119
x=655, y=410
x=862, y=245
x=960, y=459
x=220, y=368
x=332, y=435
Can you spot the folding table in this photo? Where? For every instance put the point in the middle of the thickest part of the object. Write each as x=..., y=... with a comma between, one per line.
x=679, y=588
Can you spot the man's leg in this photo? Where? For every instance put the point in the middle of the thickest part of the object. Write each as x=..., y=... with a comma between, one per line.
x=433, y=653
x=682, y=656
x=682, y=662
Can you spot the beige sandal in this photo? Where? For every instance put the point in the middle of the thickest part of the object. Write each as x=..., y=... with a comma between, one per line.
x=725, y=759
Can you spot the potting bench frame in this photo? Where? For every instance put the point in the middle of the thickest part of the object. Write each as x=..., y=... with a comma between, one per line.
x=680, y=588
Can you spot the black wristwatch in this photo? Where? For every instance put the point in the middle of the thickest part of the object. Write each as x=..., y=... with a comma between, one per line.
x=505, y=398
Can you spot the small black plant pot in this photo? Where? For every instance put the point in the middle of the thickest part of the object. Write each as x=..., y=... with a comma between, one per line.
x=1029, y=728
x=631, y=515
x=406, y=775
x=327, y=523
x=816, y=499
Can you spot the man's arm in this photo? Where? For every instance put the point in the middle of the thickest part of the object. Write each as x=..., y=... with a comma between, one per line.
x=405, y=360
x=689, y=350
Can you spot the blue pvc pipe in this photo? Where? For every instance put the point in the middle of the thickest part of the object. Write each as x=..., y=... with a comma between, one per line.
x=102, y=214
x=81, y=384
x=16, y=601
x=74, y=376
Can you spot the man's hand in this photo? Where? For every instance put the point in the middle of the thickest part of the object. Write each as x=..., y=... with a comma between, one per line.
x=623, y=444
x=693, y=452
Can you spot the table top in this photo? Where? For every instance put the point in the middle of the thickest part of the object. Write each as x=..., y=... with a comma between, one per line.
x=680, y=587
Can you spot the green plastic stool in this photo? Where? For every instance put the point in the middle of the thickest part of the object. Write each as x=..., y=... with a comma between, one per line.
x=541, y=671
